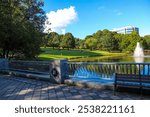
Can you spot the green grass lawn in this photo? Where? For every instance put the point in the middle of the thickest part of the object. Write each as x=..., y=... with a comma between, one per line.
x=49, y=53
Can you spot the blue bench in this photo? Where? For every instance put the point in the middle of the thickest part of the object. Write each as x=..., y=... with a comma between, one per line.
x=132, y=81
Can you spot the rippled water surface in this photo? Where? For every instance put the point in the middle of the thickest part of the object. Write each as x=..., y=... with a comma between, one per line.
x=113, y=59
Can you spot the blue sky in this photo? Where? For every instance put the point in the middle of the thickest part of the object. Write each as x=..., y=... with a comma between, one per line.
x=84, y=17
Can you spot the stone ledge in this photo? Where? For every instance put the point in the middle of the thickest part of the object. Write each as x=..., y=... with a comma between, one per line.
x=90, y=84
x=97, y=84
x=27, y=75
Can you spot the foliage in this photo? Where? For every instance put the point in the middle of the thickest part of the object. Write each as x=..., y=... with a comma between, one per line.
x=21, y=27
x=91, y=43
x=146, y=42
x=101, y=40
x=128, y=41
x=68, y=41
x=77, y=43
x=52, y=38
x=108, y=41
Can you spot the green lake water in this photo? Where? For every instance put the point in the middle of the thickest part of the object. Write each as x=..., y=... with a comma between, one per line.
x=113, y=59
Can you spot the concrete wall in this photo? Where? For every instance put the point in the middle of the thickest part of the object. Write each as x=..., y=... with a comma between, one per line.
x=57, y=70
x=35, y=66
x=3, y=64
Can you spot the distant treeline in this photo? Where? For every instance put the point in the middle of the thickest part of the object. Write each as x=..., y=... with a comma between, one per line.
x=101, y=40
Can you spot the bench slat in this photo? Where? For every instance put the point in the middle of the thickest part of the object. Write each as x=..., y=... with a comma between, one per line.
x=132, y=81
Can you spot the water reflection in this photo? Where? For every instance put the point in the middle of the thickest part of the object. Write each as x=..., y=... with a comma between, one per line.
x=84, y=74
x=113, y=59
x=139, y=59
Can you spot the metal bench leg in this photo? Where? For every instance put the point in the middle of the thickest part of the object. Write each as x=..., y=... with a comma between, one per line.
x=115, y=88
x=141, y=93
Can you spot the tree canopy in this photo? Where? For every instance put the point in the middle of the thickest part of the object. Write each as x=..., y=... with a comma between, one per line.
x=101, y=40
x=21, y=27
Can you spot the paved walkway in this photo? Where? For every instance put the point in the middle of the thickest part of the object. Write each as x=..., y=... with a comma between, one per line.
x=18, y=88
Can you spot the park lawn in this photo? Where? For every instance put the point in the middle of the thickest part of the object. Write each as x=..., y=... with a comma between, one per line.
x=104, y=53
x=49, y=53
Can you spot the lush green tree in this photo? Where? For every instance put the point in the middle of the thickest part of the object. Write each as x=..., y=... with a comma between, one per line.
x=108, y=41
x=82, y=44
x=146, y=42
x=21, y=23
x=44, y=40
x=88, y=36
x=77, y=43
x=134, y=38
x=68, y=41
x=98, y=34
x=129, y=41
x=118, y=39
x=91, y=43
x=125, y=42
x=56, y=41
x=7, y=24
x=52, y=39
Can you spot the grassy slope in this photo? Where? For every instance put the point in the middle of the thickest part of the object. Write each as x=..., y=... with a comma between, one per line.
x=49, y=53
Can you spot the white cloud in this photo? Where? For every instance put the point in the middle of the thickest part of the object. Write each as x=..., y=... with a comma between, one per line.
x=117, y=12
x=60, y=19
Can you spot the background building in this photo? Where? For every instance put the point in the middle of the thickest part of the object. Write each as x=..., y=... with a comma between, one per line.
x=126, y=30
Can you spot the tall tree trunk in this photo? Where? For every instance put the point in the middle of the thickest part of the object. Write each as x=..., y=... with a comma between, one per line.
x=7, y=54
x=4, y=52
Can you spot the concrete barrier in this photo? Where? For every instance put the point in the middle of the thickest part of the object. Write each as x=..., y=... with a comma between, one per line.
x=58, y=71
x=3, y=64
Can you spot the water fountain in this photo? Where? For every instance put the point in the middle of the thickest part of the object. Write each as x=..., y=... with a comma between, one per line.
x=138, y=54
x=138, y=51
x=139, y=58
